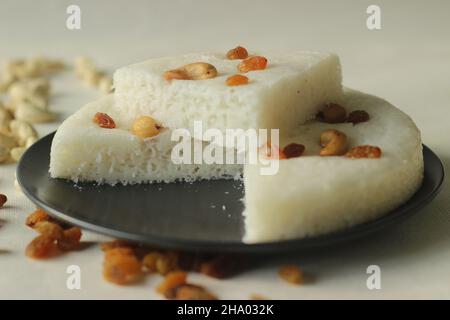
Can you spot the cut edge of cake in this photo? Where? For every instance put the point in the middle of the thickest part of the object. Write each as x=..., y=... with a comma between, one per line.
x=82, y=151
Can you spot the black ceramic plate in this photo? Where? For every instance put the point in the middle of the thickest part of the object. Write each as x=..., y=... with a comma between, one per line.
x=205, y=215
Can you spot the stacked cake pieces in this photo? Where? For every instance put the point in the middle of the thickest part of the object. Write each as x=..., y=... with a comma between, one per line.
x=283, y=96
x=109, y=140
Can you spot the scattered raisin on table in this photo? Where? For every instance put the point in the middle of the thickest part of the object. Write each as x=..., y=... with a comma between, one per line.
x=70, y=239
x=37, y=216
x=171, y=281
x=121, y=266
x=41, y=247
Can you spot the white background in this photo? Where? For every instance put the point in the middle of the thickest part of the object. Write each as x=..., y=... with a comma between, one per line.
x=406, y=62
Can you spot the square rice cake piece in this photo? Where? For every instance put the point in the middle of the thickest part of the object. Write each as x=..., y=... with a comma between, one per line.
x=287, y=93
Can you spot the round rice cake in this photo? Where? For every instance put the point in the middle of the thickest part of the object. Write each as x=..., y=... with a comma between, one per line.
x=312, y=195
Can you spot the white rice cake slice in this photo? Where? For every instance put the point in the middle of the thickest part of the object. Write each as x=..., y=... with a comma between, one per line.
x=287, y=93
x=313, y=195
x=82, y=151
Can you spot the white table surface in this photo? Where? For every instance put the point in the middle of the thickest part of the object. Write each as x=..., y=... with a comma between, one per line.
x=406, y=62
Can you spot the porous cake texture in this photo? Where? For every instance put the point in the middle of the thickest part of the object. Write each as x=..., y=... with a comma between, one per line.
x=82, y=151
x=282, y=96
x=314, y=195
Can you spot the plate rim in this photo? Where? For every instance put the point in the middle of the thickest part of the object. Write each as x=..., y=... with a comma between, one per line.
x=322, y=240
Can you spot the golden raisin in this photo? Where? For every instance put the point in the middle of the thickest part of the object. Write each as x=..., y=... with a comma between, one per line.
x=332, y=113
x=49, y=229
x=214, y=268
x=166, y=263
x=292, y=274
x=150, y=260
x=70, y=239
x=293, y=150
x=237, y=53
x=121, y=266
x=104, y=121
x=41, y=247
x=145, y=127
x=358, y=116
x=366, y=151
x=193, y=292
x=116, y=244
x=37, y=216
x=119, y=252
x=236, y=80
x=252, y=63
x=171, y=281
x=3, y=199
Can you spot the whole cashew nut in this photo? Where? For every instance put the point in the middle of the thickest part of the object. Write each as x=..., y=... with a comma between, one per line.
x=333, y=142
x=192, y=71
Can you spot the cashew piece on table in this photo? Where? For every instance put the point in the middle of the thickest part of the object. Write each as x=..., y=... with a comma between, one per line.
x=5, y=119
x=26, y=111
x=35, y=91
x=6, y=144
x=16, y=153
x=4, y=153
x=105, y=84
x=21, y=131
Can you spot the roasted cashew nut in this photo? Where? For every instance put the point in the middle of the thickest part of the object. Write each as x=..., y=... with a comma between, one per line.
x=333, y=142
x=145, y=127
x=192, y=71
